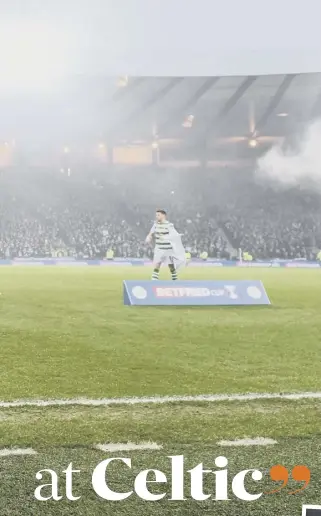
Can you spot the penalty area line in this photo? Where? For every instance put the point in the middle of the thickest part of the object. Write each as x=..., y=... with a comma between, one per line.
x=212, y=398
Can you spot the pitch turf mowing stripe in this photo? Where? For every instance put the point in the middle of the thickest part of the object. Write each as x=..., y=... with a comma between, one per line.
x=161, y=399
x=171, y=423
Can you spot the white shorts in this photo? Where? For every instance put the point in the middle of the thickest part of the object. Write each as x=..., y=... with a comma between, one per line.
x=163, y=257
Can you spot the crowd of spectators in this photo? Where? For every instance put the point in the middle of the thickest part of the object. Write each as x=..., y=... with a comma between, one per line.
x=276, y=224
x=45, y=213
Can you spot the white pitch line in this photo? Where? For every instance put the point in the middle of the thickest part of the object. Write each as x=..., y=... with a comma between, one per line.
x=258, y=441
x=7, y=452
x=160, y=399
x=116, y=447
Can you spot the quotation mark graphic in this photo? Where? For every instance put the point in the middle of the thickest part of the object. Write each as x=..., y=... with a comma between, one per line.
x=280, y=473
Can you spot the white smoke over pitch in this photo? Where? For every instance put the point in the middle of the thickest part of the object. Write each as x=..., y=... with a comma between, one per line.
x=299, y=165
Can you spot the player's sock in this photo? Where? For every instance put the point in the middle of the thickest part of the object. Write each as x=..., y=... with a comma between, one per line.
x=173, y=272
x=155, y=274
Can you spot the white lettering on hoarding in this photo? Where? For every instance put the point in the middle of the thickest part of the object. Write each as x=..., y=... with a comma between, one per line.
x=182, y=292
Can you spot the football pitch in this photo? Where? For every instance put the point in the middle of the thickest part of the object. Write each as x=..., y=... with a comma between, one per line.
x=65, y=335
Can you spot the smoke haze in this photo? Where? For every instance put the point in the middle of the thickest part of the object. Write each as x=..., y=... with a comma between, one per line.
x=298, y=165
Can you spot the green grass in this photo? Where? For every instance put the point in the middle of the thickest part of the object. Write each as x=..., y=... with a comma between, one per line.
x=21, y=481
x=65, y=333
x=64, y=435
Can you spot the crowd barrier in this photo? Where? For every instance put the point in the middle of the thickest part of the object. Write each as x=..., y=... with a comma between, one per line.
x=72, y=262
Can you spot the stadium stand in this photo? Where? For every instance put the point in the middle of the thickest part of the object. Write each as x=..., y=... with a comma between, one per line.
x=84, y=218
x=188, y=145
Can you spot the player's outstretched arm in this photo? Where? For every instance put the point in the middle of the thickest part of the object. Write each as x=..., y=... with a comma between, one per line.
x=149, y=238
x=150, y=235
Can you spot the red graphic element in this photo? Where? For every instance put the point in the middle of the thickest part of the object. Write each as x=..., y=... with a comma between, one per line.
x=181, y=292
x=301, y=474
x=279, y=473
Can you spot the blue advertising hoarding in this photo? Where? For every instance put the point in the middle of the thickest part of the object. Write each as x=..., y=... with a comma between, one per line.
x=297, y=264
x=194, y=293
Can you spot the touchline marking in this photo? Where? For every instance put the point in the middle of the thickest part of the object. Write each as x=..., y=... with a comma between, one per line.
x=258, y=441
x=160, y=399
x=6, y=452
x=116, y=447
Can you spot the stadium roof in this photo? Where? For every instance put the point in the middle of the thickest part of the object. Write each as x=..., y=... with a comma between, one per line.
x=223, y=108
x=233, y=116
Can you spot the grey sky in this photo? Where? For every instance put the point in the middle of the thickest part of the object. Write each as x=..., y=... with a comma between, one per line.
x=180, y=37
